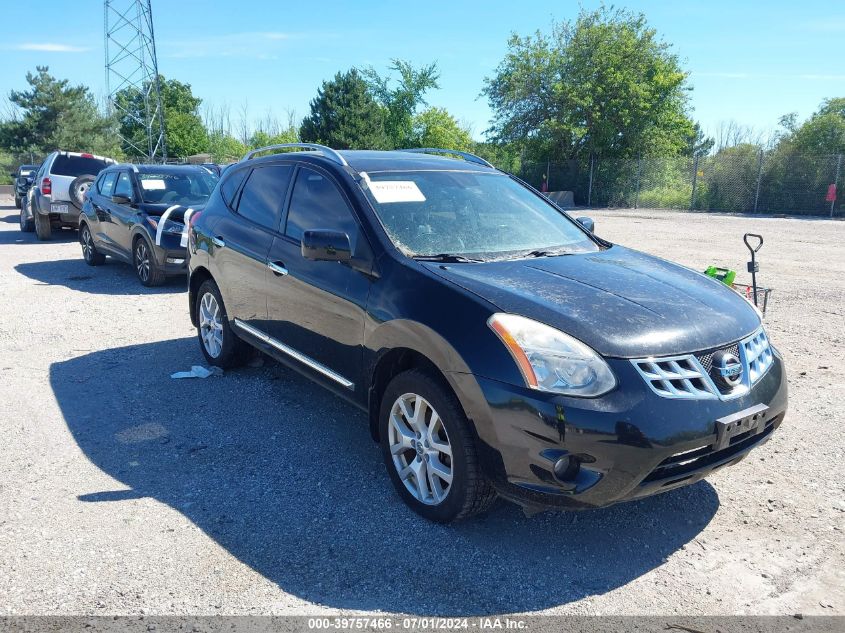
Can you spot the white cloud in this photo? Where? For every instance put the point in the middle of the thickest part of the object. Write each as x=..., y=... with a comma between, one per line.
x=49, y=47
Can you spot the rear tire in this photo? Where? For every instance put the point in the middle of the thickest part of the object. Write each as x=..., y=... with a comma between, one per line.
x=143, y=259
x=27, y=224
x=435, y=442
x=219, y=344
x=42, y=226
x=89, y=251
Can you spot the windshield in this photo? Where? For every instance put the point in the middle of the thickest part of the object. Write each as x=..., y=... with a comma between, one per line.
x=184, y=188
x=474, y=215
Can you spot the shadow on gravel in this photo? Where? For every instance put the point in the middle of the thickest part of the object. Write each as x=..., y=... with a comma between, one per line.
x=16, y=236
x=112, y=278
x=284, y=476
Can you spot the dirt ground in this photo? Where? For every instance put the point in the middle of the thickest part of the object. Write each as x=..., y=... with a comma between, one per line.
x=123, y=491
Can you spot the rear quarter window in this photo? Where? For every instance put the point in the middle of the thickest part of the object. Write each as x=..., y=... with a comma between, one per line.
x=76, y=166
x=230, y=184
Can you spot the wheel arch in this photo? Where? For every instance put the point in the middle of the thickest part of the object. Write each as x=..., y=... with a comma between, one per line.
x=198, y=276
x=404, y=345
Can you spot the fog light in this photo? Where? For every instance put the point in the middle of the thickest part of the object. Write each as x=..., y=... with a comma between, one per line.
x=566, y=468
x=175, y=260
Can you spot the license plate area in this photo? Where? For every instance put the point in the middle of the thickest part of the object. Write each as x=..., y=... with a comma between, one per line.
x=752, y=419
x=58, y=208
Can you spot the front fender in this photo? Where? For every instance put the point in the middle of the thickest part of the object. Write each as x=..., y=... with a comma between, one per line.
x=420, y=338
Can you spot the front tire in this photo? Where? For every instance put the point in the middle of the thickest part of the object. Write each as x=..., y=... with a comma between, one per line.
x=92, y=256
x=429, y=449
x=18, y=201
x=219, y=344
x=147, y=270
x=27, y=224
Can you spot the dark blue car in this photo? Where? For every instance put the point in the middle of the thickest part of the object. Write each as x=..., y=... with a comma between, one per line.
x=137, y=214
x=499, y=347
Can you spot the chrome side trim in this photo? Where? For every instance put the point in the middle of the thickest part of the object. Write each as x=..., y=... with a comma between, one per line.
x=302, y=358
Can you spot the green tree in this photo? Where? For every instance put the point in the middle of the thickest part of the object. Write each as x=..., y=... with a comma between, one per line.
x=224, y=148
x=183, y=128
x=260, y=138
x=605, y=84
x=403, y=99
x=435, y=127
x=344, y=115
x=824, y=132
x=56, y=115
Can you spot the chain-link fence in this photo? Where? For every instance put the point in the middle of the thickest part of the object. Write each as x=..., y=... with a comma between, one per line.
x=739, y=179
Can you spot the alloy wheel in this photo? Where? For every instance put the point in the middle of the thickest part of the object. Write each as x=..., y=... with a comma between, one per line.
x=142, y=261
x=87, y=244
x=420, y=447
x=211, y=325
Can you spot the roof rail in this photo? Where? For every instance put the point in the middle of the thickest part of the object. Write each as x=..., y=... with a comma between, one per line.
x=472, y=158
x=314, y=147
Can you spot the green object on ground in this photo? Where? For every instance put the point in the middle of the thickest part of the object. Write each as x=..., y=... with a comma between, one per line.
x=725, y=275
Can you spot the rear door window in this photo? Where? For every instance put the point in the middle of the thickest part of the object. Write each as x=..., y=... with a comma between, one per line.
x=264, y=195
x=76, y=166
x=106, y=184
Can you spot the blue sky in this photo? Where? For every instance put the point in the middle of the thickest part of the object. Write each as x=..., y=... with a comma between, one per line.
x=749, y=61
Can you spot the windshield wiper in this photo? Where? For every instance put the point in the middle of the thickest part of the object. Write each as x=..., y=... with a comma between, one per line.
x=450, y=258
x=544, y=252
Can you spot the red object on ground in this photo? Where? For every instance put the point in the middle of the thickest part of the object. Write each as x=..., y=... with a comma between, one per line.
x=831, y=194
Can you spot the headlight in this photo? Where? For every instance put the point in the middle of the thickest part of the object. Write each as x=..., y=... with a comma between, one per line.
x=174, y=228
x=551, y=360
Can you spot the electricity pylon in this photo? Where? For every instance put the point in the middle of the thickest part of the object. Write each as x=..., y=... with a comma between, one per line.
x=132, y=72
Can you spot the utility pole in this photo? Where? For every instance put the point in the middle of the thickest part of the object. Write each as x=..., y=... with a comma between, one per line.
x=132, y=66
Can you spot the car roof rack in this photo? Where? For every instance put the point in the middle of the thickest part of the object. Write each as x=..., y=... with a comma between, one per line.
x=314, y=147
x=472, y=158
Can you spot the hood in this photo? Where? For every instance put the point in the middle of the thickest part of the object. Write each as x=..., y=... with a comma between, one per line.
x=620, y=302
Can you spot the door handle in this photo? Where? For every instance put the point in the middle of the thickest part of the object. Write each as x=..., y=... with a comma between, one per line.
x=278, y=268
x=218, y=242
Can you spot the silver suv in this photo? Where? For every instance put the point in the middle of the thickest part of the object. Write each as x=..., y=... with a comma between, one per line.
x=55, y=198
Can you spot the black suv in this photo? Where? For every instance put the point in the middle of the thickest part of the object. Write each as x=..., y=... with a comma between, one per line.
x=498, y=346
x=21, y=181
x=136, y=213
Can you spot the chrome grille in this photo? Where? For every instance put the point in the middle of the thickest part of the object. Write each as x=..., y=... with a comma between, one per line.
x=676, y=377
x=688, y=376
x=706, y=359
x=757, y=355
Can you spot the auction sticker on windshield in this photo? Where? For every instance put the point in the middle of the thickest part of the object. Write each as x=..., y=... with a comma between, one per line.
x=387, y=191
x=152, y=184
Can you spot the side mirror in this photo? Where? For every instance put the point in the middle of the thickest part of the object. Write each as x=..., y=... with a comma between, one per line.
x=326, y=246
x=13, y=174
x=587, y=223
x=121, y=200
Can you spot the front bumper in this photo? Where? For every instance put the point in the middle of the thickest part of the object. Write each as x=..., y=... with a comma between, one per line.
x=629, y=444
x=170, y=255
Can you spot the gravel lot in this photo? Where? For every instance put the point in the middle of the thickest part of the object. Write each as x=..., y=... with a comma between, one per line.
x=125, y=492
